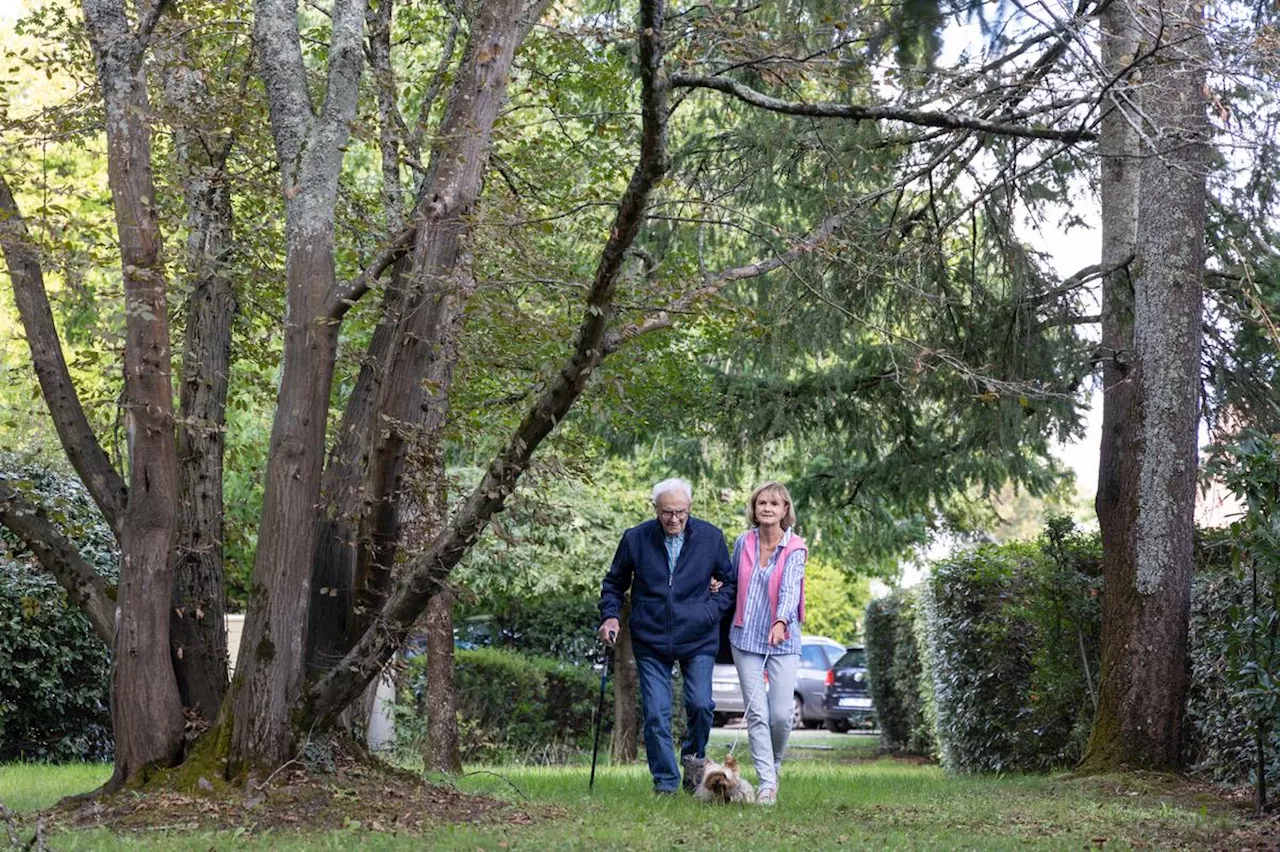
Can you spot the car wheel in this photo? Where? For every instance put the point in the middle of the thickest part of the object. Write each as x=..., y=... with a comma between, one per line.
x=719, y=719
x=797, y=713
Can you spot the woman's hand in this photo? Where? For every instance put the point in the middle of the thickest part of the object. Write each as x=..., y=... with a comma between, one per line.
x=778, y=633
x=715, y=585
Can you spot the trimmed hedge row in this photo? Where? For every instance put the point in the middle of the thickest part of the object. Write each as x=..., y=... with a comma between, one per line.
x=992, y=664
x=510, y=706
x=895, y=668
x=1221, y=744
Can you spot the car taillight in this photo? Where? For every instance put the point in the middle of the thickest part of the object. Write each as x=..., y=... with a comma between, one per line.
x=831, y=677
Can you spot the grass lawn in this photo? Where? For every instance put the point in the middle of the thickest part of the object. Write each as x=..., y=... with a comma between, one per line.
x=834, y=794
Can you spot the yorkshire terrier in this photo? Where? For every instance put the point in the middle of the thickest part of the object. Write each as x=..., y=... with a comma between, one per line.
x=719, y=782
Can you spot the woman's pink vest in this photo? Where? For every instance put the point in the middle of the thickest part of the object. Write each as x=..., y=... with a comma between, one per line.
x=747, y=564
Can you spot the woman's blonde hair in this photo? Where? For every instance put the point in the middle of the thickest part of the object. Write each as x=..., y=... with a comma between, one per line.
x=788, y=519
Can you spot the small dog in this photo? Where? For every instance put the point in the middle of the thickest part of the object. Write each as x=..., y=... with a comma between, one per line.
x=719, y=782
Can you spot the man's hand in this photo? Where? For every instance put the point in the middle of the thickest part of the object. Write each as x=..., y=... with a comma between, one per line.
x=778, y=633
x=608, y=632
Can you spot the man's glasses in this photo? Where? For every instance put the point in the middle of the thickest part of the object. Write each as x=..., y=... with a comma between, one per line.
x=677, y=515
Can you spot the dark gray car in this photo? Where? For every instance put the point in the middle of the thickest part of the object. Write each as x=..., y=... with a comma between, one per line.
x=817, y=653
x=848, y=698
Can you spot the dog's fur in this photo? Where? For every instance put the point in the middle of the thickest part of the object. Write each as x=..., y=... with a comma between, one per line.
x=718, y=782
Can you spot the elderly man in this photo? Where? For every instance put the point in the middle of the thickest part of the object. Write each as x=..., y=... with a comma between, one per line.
x=668, y=563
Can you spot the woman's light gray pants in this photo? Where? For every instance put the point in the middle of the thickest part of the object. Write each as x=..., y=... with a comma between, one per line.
x=768, y=711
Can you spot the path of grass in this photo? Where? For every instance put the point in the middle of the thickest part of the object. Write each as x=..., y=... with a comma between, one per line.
x=831, y=797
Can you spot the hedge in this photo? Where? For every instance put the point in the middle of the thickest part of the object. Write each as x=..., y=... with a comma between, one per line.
x=1012, y=639
x=510, y=706
x=895, y=668
x=1219, y=744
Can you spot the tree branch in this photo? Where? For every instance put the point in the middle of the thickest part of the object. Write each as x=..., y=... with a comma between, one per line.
x=925, y=118
x=105, y=485
x=351, y=291
x=1084, y=276
x=57, y=555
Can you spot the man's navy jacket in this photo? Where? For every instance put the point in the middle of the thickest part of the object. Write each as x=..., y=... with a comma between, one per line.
x=673, y=616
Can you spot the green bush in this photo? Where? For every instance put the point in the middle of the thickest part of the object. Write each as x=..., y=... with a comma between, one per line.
x=562, y=627
x=981, y=651
x=1220, y=744
x=54, y=670
x=896, y=673
x=1013, y=649
x=510, y=706
x=1065, y=610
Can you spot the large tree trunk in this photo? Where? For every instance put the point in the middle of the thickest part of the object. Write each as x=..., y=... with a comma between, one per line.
x=1146, y=495
x=271, y=668
x=145, y=708
x=626, y=722
x=198, y=633
x=414, y=395
x=413, y=349
x=333, y=621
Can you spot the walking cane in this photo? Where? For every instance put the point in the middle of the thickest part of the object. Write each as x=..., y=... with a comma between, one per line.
x=595, y=746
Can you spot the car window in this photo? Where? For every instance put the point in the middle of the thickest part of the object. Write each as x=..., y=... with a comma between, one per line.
x=853, y=658
x=814, y=657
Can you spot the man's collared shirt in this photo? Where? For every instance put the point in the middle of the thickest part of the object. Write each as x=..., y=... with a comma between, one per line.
x=674, y=544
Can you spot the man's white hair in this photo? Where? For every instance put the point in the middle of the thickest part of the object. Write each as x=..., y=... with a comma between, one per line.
x=675, y=484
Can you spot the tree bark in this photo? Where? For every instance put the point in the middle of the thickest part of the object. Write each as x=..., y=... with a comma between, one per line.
x=441, y=753
x=413, y=397
x=402, y=393
x=271, y=669
x=198, y=625
x=1146, y=495
x=146, y=710
x=198, y=633
x=625, y=744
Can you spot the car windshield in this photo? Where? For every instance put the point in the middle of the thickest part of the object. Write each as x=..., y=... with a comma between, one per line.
x=854, y=658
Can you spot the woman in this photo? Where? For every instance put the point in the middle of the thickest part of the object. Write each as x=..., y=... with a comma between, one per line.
x=770, y=560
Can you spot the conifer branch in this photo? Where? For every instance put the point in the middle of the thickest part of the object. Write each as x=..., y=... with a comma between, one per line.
x=854, y=112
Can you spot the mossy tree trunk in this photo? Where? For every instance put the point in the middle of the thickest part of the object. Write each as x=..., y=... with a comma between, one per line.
x=310, y=142
x=1154, y=144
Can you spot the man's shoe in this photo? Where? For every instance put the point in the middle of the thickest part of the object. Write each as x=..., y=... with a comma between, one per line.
x=692, y=771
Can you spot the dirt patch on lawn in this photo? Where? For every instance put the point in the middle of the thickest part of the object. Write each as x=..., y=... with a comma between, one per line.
x=1250, y=834
x=339, y=790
